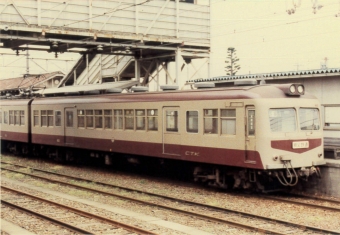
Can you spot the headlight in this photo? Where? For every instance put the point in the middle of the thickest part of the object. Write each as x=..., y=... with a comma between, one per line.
x=301, y=89
x=292, y=89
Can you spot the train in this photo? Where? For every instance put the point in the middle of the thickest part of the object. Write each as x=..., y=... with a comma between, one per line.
x=248, y=136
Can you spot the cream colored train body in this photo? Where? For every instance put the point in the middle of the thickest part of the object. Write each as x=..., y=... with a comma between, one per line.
x=250, y=135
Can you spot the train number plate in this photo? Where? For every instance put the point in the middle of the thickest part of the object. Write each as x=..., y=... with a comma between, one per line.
x=300, y=144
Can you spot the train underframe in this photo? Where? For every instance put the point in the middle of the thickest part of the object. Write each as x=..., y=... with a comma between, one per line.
x=212, y=175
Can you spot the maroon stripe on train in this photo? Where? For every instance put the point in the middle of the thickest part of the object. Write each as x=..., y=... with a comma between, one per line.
x=14, y=136
x=287, y=145
x=227, y=157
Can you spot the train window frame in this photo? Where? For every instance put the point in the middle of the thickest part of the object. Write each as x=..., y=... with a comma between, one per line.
x=118, y=119
x=230, y=123
x=89, y=119
x=191, y=126
x=98, y=118
x=22, y=117
x=272, y=114
x=36, y=118
x=107, y=119
x=152, y=119
x=43, y=118
x=6, y=117
x=172, y=121
x=140, y=119
x=81, y=118
x=57, y=119
x=213, y=118
x=50, y=118
x=11, y=117
x=318, y=126
x=129, y=119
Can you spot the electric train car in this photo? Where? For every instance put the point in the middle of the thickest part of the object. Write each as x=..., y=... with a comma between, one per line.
x=15, y=125
x=246, y=136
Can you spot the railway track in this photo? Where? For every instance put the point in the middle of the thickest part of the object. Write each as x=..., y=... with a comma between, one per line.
x=207, y=212
x=64, y=216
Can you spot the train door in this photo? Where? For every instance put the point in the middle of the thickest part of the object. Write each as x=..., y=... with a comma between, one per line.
x=250, y=145
x=70, y=115
x=171, y=135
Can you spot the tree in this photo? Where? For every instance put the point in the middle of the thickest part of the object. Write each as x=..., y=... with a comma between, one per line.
x=232, y=67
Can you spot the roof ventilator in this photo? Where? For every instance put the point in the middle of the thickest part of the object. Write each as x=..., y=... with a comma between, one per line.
x=204, y=85
x=169, y=87
x=245, y=82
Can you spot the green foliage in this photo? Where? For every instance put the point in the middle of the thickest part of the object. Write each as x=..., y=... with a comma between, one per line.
x=232, y=67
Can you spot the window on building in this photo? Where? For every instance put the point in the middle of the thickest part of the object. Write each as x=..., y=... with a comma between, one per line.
x=129, y=119
x=192, y=121
x=89, y=118
x=210, y=121
x=140, y=119
x=118, y=119
x=228, y=121
x=81, y=118
x=98, y=118
x=152, y=115
x=57, y=118
x=108, y=119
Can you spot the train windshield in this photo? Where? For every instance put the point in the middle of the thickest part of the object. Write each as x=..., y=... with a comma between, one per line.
x=282, y=120
x=309, y=119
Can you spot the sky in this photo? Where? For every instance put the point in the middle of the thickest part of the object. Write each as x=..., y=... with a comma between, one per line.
x=267, y=39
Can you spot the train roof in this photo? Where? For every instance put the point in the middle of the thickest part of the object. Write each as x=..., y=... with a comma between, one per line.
x=244, y=92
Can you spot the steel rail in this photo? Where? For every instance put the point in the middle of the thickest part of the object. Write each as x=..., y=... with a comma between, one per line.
x=84, y=213
x=174, y=199
x=206, y=217
x=54, y=221
x=301, y=203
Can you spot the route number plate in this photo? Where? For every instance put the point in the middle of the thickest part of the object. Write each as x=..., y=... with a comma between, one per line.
x=300, y=144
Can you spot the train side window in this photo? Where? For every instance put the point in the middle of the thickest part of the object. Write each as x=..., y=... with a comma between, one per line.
x=251, y=122
x=11, y=117
x=69, y=118
x=5, y=117
x=0, y=116
x=57, y=118
x=108, y=119
x=81, y=118
x=192, y=121
x=17, y=117
x=22, y=117
x=152, y=119
x=172, y=120
x=118, y=119
x=210, y=121
x=140, y=119
x=98, y=118
x=36, y=118
x=43, y=117
x=228, y=121
x=50, y=118
x=89, y=118
x=129, y=119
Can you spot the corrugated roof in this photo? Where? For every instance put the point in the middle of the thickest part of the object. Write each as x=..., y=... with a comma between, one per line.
x=320, y=72
x=23, y=83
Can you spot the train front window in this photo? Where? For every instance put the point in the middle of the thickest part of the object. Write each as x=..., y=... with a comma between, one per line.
x=309, y=119
x=282, y=120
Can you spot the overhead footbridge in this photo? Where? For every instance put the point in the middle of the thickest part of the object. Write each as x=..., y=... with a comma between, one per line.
x=122, y=39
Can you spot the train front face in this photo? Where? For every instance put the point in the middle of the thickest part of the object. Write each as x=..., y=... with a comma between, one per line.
x=291, y=138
